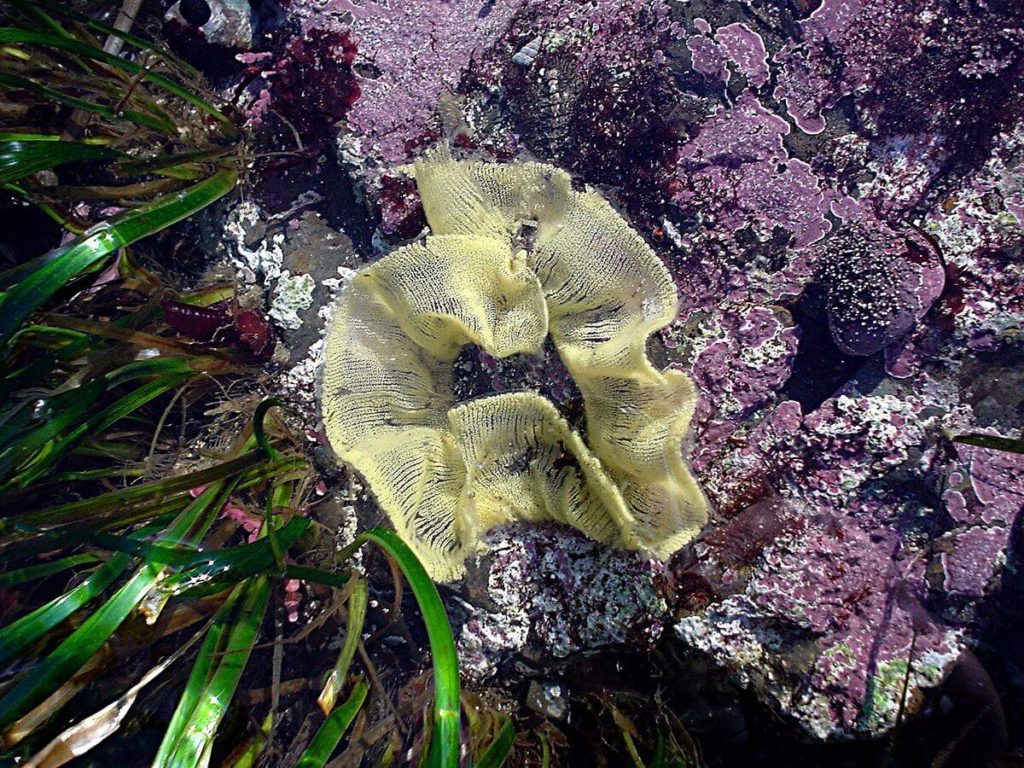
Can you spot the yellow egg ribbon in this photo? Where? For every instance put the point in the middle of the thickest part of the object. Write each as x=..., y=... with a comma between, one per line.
x=516, y=254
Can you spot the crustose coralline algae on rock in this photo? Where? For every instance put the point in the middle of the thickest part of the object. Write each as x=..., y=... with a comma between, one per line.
x=836, y=191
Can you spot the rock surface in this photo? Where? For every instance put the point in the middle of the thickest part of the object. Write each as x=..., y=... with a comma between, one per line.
x=846, y=237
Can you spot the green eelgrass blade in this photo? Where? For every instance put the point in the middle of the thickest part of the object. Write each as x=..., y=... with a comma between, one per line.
x=19, y=635
x=21, y=575
x=14, y=35
x=19, y=159
x=94, y=474
x=44, y=444
x=31, y=689
x=18, y=83
x=196, y=588
x=247, y=559
x=147, y=493
x=89, y=732
x=444, y=746
x=100, y=241
x=357, y=604
x=63, y=410
x=138, y=42
x=28, y=428
x=214, y=678
x=43, y=206
x=218, y=571
x=248, y=756
x=48, y=455
x=44, y=20
x=995, y=442
x=499, y=750
x=77, y=648
x=331, y=731
x=659, y=758
x=185, y=164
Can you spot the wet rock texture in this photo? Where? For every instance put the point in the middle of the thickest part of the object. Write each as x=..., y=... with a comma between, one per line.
x=838, y=188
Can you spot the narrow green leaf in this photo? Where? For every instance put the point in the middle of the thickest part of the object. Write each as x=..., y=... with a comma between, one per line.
x=120, y=472
x=444, y=746
x=42, y=18
x=60, y=412
x=19, y=159
x=316, y=575
x=211, y=686
x=18, y=83
x=331, y=731
x=499, y=750
x=106, y=29
x=20, y=576
x=658, y=760
x=166, y=163
x=93, y=425
x=125, y=499
x=219, y=569
x=24, y=36
x=995, y=442
x=102, y=240
x=19, y=635
x=634, y=754
x=31, y=689
x=357, y=604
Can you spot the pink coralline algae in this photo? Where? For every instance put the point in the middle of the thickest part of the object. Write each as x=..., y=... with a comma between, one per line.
x=560, y=591
x=734, y=44
x=850, y=440
x=736, y=172
x=985, y=498
x=839, y=36
x=861, y=593
x=838, y=189
x=742, y=359
x=409, y=55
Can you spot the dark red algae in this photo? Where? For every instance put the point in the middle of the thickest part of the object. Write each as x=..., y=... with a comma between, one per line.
x=314, y=85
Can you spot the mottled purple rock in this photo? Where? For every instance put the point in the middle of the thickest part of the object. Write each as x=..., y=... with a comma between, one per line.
x=746, y=49
x=708, y=57
x=854, y=597
x=903, y=217
x=972, y=560
x=985, y=498
x=740, y=359
x=409, y=55
x=879, y=283
x=554, y=589
x=737, y=172
x=734, y=43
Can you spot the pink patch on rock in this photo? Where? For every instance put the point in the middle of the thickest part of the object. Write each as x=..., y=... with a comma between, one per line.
x=409, y=54
x=739, y=172
x=707, y=57
x=997, y=479
x=746, y=48
x=750, y=361
x=973, y=559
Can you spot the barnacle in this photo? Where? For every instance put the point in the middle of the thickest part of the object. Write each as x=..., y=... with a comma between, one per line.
x=516, y=255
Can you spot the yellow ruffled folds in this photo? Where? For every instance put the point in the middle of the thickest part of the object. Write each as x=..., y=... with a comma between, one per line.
x=516, y=255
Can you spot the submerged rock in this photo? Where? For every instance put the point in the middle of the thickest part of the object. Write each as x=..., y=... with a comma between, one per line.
x=833, y=185
x=550, y=591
